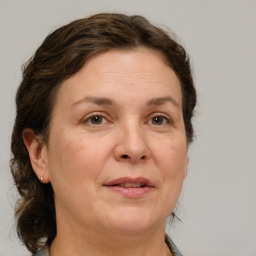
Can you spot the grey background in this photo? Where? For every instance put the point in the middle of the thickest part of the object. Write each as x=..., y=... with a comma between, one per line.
x=218, y=202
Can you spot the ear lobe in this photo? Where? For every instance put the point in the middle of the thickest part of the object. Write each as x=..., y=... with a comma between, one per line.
x=37, y=153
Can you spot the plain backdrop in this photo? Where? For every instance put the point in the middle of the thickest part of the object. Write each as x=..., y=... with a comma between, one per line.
x=218, y=202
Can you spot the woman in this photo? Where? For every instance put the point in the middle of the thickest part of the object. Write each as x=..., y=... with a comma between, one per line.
x=100, y=138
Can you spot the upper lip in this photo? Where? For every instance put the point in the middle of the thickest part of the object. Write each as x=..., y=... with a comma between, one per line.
x=121, y=180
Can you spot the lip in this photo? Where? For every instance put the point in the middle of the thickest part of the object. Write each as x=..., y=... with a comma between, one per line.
x=130, y=192
x=145, y=181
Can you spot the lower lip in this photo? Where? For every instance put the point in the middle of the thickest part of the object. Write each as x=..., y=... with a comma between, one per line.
x=131, y=192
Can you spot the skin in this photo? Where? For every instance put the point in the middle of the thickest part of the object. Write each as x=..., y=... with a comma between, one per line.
x=130, y=138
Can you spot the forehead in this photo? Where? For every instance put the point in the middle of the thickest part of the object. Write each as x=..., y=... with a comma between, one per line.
x=127, y=61
x=131, y=71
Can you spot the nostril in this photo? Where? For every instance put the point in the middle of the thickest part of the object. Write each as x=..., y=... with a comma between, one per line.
x=143, y=157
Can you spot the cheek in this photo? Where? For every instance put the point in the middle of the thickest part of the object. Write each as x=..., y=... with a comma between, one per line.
x=76, y=158
x=170, y=156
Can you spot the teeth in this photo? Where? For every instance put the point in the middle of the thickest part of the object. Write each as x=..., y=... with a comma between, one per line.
x=130, y=185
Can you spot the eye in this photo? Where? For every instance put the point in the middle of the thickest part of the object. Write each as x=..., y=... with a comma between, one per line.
x=160, y=120
x=95, y=120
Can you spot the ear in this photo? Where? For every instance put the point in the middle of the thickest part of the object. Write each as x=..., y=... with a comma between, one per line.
x=37, y=153
x=186, y=168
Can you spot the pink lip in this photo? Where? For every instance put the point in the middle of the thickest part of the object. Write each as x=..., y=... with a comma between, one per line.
x=130, y=192
x=142, y=180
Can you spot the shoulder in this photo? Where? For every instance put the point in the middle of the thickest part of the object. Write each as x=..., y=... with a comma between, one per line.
x=172, y=246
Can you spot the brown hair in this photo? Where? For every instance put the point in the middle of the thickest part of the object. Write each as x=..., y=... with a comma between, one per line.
x=63, y=53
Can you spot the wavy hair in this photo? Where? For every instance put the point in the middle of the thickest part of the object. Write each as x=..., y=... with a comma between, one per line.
x=62, y=54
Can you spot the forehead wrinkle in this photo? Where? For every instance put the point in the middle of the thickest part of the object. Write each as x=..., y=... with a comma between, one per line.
x=141, y=79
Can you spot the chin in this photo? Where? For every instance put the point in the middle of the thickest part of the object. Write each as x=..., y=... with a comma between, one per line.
x=132, y=221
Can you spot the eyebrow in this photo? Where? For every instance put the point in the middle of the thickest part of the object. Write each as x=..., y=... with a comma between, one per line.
x=162, y=100
x=107, y=101
x=95, y=100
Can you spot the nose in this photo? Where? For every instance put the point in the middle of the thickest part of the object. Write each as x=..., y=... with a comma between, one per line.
x=132, y=144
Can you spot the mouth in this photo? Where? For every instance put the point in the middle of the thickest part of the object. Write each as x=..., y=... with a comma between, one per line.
x=130, y=187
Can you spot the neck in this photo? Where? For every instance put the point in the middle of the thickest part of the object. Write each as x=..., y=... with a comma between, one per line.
x=114, y=244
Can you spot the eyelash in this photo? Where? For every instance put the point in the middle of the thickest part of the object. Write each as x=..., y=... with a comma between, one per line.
x=167, y=118
x=89, y=118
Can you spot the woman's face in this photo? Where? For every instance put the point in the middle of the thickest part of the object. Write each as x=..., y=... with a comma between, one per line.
x=117, y=151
